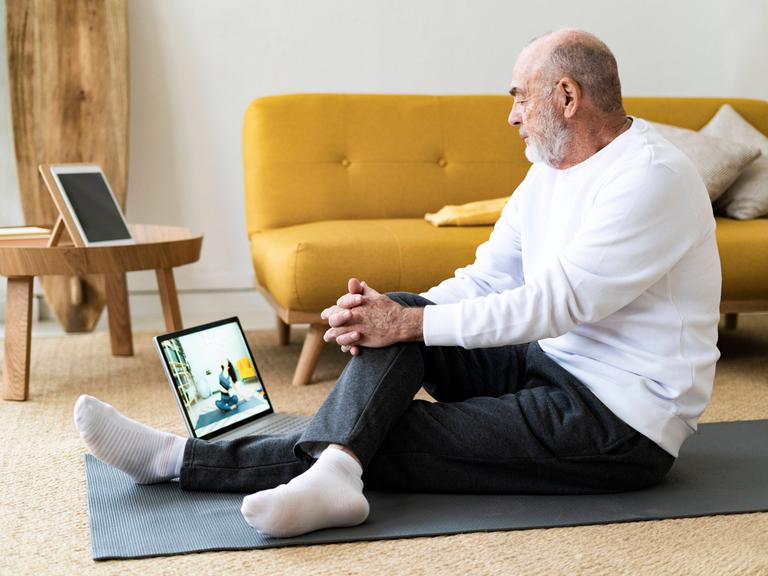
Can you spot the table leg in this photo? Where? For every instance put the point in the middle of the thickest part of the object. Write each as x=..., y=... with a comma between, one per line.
x=119, y=315
x=169, y=299
x=18, y=338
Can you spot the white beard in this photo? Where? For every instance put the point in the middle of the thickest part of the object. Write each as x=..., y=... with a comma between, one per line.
x=533, y=154
x=548, y=148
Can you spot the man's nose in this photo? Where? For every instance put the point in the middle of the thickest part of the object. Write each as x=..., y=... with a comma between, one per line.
x=515, y=118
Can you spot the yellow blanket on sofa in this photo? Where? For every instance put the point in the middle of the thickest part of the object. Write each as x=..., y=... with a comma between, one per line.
x=480, y=213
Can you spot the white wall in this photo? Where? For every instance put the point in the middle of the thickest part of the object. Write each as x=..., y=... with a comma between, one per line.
x=196, y=64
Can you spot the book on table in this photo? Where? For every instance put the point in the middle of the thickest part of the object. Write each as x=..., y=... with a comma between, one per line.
x=24, y=236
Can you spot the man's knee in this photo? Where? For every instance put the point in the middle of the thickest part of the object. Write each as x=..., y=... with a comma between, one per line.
x=409, y=299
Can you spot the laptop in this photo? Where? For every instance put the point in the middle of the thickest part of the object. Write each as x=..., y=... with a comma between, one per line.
x=217, y=384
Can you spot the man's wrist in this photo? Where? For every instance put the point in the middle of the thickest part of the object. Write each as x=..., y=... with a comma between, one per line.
x=412, y=325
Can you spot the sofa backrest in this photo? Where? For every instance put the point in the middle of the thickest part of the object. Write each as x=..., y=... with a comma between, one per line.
x=310, y=157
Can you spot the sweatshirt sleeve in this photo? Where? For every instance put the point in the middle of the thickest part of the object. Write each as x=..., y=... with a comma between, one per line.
x=497, y=266
x=638, y=227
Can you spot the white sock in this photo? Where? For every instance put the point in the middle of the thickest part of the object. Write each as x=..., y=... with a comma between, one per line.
x=328, y=495
x=146, y=454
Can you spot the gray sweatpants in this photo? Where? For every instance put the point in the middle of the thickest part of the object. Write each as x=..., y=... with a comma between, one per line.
x=508, y=420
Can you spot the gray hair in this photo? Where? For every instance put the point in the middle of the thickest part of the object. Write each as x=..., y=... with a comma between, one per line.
x=587, y=60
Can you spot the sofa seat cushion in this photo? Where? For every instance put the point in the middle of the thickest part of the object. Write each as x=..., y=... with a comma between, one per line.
x=743, y=246
x=305, y=267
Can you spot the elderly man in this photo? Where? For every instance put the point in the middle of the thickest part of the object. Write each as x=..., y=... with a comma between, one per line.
x=575, y=355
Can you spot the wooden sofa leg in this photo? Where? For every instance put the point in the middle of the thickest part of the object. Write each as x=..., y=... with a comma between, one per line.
x=283, y=332
x=731, y=321
x=310, y=353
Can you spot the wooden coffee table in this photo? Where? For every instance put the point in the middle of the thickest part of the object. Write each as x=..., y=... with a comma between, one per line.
x=159, y=248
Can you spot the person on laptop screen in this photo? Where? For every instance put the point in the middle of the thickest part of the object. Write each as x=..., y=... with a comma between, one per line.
x=228, y=400
x=574, y=356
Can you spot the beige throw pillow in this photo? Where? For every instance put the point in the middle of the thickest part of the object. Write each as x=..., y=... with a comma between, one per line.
x=718, y=161
x=748, y=197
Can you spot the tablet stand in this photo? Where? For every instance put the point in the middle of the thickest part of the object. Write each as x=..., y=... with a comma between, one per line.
x=57, y=234
x=65, y=219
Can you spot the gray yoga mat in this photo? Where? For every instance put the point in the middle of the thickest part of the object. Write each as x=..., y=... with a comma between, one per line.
x=721, y=470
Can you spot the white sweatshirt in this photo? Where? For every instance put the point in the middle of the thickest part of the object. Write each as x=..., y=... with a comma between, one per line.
x=612, y=266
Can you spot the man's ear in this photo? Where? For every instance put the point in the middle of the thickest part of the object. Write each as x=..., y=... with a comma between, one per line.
x=569, y=93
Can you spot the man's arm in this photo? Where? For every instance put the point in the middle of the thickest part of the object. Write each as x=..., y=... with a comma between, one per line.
x=638, y=228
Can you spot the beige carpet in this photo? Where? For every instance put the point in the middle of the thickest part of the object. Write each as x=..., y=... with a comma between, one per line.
x=44, y=518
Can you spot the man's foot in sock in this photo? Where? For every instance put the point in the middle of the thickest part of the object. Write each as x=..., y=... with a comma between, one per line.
x=146, y=454
x=328, y=495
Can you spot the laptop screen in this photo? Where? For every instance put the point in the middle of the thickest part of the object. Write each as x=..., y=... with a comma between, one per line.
x=215, y=378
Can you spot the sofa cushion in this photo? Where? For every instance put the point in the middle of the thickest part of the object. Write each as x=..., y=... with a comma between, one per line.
x=719, y=161
x=748, y=196
x=301, y=267
x=306, y=267
x=743, y=254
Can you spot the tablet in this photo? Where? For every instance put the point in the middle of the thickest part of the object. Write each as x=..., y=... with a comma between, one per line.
x=85, y=201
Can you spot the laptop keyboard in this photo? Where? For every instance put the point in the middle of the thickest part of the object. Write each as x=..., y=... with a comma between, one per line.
x=285, y=424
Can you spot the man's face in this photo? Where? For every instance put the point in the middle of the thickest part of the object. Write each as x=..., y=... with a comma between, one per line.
x=535, y=112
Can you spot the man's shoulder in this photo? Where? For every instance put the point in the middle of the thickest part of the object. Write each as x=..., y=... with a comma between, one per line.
x=655, y=176
x=649, y=150
x=650, y=163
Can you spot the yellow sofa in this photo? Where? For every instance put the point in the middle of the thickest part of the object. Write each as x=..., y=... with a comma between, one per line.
x=337, y=185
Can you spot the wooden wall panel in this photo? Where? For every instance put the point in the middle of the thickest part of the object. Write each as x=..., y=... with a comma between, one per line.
x=68, y=75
